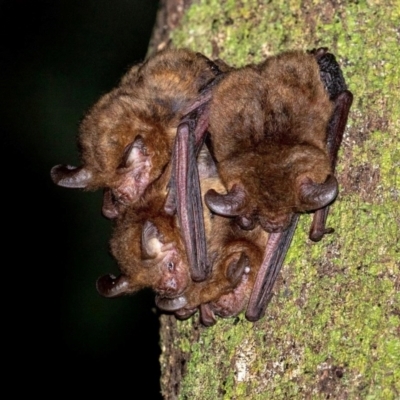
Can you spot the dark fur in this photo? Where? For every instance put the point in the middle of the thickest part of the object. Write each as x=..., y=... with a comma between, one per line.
x=147, y=105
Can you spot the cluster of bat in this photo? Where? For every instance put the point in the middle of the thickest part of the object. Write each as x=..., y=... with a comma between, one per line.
x=205, y=169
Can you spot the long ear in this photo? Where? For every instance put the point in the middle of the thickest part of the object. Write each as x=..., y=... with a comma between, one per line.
x=151, y=241
x=71, y=177
x=317, y=195
x=111, y=286
x=227, y=205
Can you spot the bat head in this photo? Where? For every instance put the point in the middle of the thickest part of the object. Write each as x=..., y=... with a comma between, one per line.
x=150, y=254
x=126, y=138
x=122, y=150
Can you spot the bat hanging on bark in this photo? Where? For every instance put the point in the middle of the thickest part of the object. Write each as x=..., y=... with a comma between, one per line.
x=275, y=132
x=126, y=138
x=147, y=245
x=234, y=254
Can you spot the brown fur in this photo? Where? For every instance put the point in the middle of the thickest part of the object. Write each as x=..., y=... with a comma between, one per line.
x=235, y=256
x=166, y=270
x=149, y=102
x=268, y=129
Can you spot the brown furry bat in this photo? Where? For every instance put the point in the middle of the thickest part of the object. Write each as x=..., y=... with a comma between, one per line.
x=275, y=132
x=269, y=140
x=147, y=245
x=148, y=248
x=126, y=138
x=235, y=256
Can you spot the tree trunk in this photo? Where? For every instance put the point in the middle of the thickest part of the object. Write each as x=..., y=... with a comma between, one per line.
x=332, y=329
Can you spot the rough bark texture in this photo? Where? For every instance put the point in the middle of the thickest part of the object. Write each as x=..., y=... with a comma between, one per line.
x=333, y=328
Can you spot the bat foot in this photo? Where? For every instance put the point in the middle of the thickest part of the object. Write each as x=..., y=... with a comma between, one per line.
x=317, y=235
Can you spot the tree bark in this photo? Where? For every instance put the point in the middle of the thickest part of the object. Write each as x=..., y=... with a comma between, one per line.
x=332, y=329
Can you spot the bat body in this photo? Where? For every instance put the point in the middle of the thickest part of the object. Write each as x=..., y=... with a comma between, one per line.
x=269, y=140
x=148, y=247
x=126, y=138
x=212, y=236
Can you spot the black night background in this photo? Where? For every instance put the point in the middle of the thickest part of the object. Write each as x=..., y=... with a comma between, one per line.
x=57, y=57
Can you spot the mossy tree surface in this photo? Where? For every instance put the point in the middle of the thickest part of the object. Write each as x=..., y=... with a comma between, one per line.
x=333, y=328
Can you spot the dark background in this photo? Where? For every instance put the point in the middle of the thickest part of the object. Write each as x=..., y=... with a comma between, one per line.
x=56, y=59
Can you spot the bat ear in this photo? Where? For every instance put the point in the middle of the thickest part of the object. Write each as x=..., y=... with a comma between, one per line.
x=111, y=286
x=227, y=205
x=317, y=195
x=71, y=177
x=151, y=241
x=236, y=268
x=109, y=208
x=173, y=304
x=134, y=153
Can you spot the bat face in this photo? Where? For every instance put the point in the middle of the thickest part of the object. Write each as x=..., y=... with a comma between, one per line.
x=147, y=245
x=126, y=138
x=236, y=256
x=150, y=254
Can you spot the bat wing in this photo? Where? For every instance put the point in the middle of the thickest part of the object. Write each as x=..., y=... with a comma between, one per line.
x=275, y=253
x=189, y=208
x=184, y=194
x=335, y=85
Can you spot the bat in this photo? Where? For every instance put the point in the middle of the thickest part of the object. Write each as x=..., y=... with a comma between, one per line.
x=341, y=99
x=235, y=255
x=275, y=131
x=147, y=245
x=126, y=138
